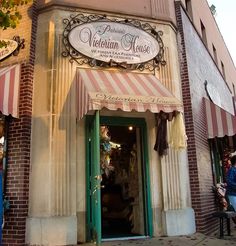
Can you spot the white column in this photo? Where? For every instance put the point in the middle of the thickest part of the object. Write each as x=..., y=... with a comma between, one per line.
x=52, y=206
x=178, y=216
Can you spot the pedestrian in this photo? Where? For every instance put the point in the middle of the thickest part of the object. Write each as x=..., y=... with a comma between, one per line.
x=231, y=183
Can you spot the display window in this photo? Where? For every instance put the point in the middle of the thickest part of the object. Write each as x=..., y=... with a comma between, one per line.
x=221, y=150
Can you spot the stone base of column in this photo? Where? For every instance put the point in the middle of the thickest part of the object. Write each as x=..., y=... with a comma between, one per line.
x=179, y=222
x=81, y=225
x=58, y=230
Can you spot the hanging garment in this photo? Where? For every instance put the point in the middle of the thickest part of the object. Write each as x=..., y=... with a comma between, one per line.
x=177, y=136
x=161, y=144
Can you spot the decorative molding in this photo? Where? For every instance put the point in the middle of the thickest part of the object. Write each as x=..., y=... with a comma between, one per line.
x=21, y=44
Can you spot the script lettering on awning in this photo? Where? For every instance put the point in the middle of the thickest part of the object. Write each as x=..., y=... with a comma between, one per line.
x=133, y=99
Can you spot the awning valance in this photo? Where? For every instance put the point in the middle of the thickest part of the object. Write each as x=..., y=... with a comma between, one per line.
x=220, y=123
x=126, y=91
x=9, y=90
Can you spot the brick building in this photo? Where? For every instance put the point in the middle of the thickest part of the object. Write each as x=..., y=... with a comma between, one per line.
x=208, y=85
x=17, y=132
x=59, y=155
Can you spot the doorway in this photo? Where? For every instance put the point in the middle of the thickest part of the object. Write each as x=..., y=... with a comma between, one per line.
x=122, y=206
x=124, y=194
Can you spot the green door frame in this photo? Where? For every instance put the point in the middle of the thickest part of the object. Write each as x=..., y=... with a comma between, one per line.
x=93, y=179
x=123, y=121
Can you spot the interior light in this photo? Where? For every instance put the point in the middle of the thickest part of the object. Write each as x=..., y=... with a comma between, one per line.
x=130, y=128
x=114, y=145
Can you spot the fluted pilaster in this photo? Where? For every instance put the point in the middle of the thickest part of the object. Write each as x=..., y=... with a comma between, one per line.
x=175, y=179
x=160, y=8
x=63, y=135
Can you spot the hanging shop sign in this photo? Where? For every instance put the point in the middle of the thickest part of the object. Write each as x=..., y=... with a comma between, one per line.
x=7, y=47
x=99, y=41
x=105, y=41
x=10, y=47
x=213, y=93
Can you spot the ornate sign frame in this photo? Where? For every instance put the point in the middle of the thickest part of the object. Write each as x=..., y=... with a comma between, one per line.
x=11, y=47
x=75, y=55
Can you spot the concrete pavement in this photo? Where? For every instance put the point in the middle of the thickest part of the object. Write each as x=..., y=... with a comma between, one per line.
x=191, y=240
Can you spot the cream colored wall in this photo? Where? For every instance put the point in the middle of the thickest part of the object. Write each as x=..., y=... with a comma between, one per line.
x=53, y=126
x=202, y=12
x=52, y=205
x=158, y=9
x=169, y=75
x=57, y=178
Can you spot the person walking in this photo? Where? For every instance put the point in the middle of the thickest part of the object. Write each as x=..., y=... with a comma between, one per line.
x=231, y=183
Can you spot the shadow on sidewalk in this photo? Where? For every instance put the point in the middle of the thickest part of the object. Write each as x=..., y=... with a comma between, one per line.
x=191, y=240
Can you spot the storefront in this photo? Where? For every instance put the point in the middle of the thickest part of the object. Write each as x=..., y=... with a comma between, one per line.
x=103, y=87
x=221, y=130
x=117, y=150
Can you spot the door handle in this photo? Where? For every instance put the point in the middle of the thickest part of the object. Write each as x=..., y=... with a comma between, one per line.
x=98, y=177
x=97, y=187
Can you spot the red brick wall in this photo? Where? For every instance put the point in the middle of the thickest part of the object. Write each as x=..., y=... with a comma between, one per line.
x=17, y=185
x=19, y=138
x=200, y=173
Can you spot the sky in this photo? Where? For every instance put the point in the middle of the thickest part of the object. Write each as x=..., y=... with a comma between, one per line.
x=226, y=20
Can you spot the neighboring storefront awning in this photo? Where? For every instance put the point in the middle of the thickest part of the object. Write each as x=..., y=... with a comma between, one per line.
x=234, y=102
x=220, y=123
x=99, y=89
x=9, y=90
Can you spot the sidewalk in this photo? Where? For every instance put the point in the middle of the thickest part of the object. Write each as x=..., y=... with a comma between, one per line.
x=195, y=239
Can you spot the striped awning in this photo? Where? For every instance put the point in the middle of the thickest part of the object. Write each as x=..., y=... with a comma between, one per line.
x=220, y=123
x=9, y=90
x=99, y=89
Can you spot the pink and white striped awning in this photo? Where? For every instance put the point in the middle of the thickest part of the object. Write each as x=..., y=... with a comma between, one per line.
x=9, y=90
x=220, y=123
x=99, y=89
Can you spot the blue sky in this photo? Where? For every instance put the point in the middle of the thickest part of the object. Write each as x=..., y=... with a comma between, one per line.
x=226, y=20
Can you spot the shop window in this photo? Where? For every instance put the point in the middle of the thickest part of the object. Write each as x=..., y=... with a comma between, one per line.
x=221, y=150
x=203, y=32
x=223, y=69
x=188, y=5
x=3, y=147
x=214, y=54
